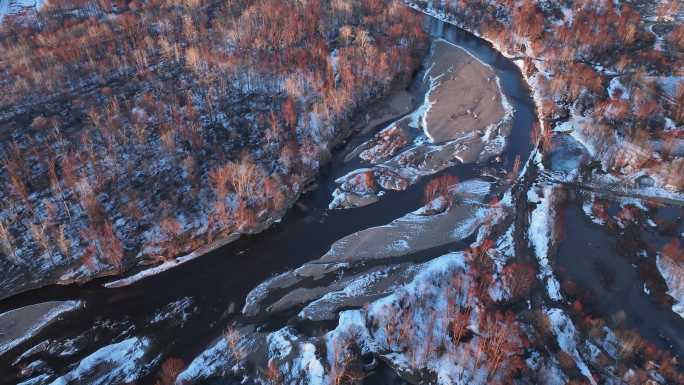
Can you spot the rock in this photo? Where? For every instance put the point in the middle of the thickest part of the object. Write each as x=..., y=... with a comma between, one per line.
x=35, y=367
x=567, y=154
x=411, y=233
x=361, y=182
x=645, y=181
x=219, y=360
x=466, y=89
x=434, y=207
x=357, y=291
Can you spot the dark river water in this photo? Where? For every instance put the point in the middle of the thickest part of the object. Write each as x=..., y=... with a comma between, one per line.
x=215, y=285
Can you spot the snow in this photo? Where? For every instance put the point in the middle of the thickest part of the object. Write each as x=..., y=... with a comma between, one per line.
x=208, y=363
x=8, y=7
x=579, y=127
x=418, y=231
x=614, y=86
x=355, y=288
x=351, y=323
x=39, y=380
x=588, y=208
x=565, y=335
x=467, y=226
x=46, y=319
x=548, y=373
x=505, y=246
x=308, y=365
x=670, y=84
x=117, y=363
x=423, y=285
x=280, y=343
x=179, y=310
x=541, y=235
x=670, y=125
x=473, y=187
x=421, y=113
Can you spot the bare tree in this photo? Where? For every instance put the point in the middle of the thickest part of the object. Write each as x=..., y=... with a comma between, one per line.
x=7, y=240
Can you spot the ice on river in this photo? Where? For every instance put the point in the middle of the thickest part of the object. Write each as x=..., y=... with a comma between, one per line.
x=19, y=325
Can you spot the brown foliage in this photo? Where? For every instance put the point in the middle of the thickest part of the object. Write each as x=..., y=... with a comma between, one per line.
x=233, y=338
x=345, y=367
x=676, y=37
x=170, y=369
x=7, y=240
x=273, y=375
x=500, y=346
x=519, y=278
x=159, y=71
x=439, y=187
x=673, y=250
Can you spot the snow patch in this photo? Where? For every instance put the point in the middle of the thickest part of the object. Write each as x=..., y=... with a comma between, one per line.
x=117, y=363
x=565, y=335
x=541, y=235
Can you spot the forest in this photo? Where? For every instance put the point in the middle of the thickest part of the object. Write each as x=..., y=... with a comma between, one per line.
x=134, y=131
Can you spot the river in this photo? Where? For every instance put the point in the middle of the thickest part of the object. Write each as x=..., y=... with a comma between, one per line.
x=210, y=291
x=216, y=284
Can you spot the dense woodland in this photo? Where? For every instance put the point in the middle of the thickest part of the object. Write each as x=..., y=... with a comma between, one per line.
x=145, y=129
x=599, y=62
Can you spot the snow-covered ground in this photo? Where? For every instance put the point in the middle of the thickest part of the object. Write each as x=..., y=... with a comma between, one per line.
x=10, y=7
x=541, y=234
x=119, y=363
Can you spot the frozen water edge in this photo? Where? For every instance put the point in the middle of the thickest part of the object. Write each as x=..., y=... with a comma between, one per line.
x=672, y=272
x=565, y=335
x=169, y=264
x=41, y=323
